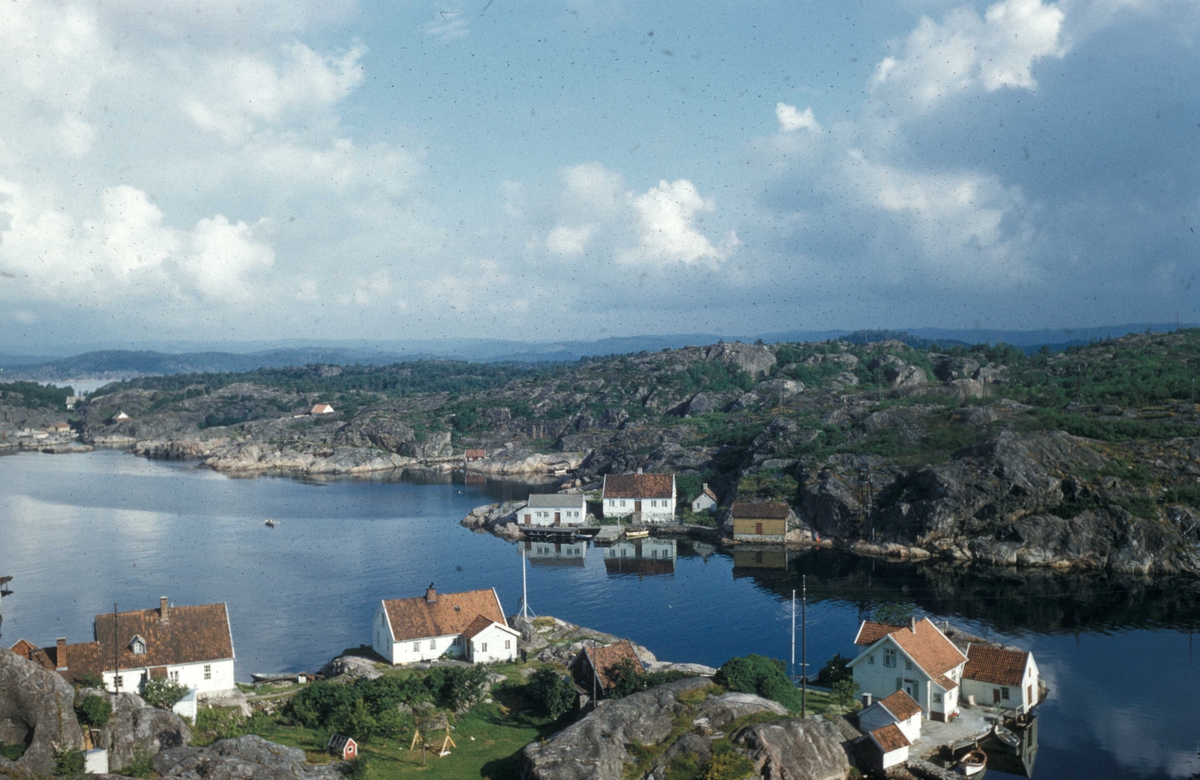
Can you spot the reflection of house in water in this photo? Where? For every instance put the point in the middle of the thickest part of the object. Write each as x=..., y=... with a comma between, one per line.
x=1017, y=760
x=644, y=556
x=556, y=553
x=760, y=559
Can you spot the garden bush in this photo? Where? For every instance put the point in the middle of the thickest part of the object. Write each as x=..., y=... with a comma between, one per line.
x=761, y=675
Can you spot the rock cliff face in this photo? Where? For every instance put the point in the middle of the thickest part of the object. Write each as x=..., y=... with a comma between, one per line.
x=245, y=758
x=136, y=726
x=37, y=707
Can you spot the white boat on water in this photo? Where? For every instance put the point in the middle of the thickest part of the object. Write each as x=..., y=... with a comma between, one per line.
x=270, y=522
x=636, y=533
x=1006, y=736
x=972, y=762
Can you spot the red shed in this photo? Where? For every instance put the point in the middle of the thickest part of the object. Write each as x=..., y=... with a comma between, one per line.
x=345, y=747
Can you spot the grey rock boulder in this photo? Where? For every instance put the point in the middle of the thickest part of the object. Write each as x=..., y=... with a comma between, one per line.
x=723, y=709
x=245, y=758
x=808, y=749
x=353, y=666
x=37, y=706
x=902, y=376
x=135, y=726
x=754, y=359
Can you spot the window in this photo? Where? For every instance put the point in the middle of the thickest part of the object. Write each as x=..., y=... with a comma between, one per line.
x=871, y=659
x=483, y=647
x=207, y=672
x=120, y=680
x=889, y=657
x=433, y=644
x=1004, y=693
x=507, y=644
x=138, y=647
x=416, y=647
x=174, y=675
x=907, y=664
x=937, y=698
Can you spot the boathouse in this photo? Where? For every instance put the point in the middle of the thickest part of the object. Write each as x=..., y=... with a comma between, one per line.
x=468, y=625
x=996, y=676
x=643, y=498
x=760, y=522
x=552, y=510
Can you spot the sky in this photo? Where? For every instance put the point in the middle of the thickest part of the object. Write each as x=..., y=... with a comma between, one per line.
x=551, y=169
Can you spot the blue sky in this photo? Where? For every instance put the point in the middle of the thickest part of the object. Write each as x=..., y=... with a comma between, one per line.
x=580, y=168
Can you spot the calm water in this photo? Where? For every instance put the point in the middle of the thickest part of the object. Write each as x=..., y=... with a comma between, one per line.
x=80, y=532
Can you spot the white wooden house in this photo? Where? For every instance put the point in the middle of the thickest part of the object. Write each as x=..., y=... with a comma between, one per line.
x=644, y=498
x=322, y=409
x=998, y=676
x=917, y=659
x=899, y=708
x=468, y=625
x=192, y=646
x=554, y=509
x=705, y=501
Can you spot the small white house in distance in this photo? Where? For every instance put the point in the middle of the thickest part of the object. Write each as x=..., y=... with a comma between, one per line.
x=192, y=646
x=899, y=708
x=468, y=625
x=994, y=675
x=322, y=409
x=644, y=498
x=891, y=744
x=554, y=509
x=705, y=501
x=121, y=416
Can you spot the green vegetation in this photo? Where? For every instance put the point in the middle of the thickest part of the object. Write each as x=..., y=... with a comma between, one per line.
x=844, y=692
x=141, y=765
x=163, y=694
x=95, y=710
x=31, y=395
x=553, y=693
x=68, y=762
x=894, y=613
x=90, y=680
x=761, y=675
x=834, y=670
x=11, y=752
x=629, y=677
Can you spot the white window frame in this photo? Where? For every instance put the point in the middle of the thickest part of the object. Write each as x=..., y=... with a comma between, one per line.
x=889, y=657
x=208, y=671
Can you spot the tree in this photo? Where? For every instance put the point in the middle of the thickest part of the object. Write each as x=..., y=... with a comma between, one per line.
x=835, y=669
x=844, y=692
x=894, y=613
x=554, y=694
x=68, y=762
x=96, y=710
x=761, y=675
x=163, y=694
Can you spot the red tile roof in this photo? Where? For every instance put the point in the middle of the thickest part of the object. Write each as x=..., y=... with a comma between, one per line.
x=773, y=511
x=901, y=705
x=639, y=486
x=603, y=659
x=477, y=625
x=449, y=614
x=995, y=665
x=927, y=646
x=890, y=738
x=946, y=683
x=24, y=648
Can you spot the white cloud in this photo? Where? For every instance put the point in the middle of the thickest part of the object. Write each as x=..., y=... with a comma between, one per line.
x=792, y=119
x=564, y=240
x=223, y=255
x=966, y=51
x=668, y=233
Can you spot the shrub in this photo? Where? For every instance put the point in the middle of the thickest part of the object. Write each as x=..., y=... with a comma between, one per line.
x=629, y=677
x=90, y=680
x=163, y=694
x=835, y=669
x=214, y=723
x=12, y=752
x=894, y=613
x=728, y=764
x=553, y=693
x=844, y=692
x=358, y=768
x=95, y=710
x=140, y=766
x=68, y=762
x=761, y=675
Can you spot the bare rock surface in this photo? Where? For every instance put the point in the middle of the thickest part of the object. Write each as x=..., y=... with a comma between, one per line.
x=37, y=706
x=244, y=758
x=353, y=666
x=808, y=749
x=135, y=726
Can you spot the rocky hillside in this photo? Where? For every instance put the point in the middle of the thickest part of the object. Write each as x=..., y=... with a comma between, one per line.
x=1083, y=458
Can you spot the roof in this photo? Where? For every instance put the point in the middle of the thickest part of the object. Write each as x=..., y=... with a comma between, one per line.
x=708, y=492
x=451, y=613
x=639, y=486
x=772, y=511
x=573, y=500
x=24, y=648
x=475, y=454
x=890, y=738
x=946, y=683
x=926, y=645
x=603, y=659
x=901, y=705
x=321, y=409
x=477, y=626
x=83, y=658
x=338, y=742
x=995, y=665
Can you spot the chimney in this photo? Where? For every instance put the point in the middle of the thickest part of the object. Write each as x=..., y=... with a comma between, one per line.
x=866, y=698
x=431, y=595
x=60, y=654
x=164, y=610
x=914, y=624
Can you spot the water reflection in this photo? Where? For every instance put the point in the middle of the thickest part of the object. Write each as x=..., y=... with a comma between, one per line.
x=1017, y=760
x=643, y=557
x=556, y=553
x=769, y=558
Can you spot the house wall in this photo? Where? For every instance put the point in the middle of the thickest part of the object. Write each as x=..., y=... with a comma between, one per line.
x=381, y=635
x=493, y=644
x=654, y=510
x=894, y=758
x=882, y=681
x=703, y=503
x=544, y=516
x=874, y=717
x=206, y=678
x=428, y=648
x=747, y=529
x=911, y=727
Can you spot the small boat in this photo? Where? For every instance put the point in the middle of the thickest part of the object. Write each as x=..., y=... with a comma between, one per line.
x=972, y=762
x=1006, y=736
x=638, y=533
x=270, y=522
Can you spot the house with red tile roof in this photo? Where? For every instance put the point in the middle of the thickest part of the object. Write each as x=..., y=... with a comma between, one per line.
x=643, y=498
x=1000, y=676
x=191, y=645
x=917, y=659
x=891, y=746
x=593, y=667
x=468, y=625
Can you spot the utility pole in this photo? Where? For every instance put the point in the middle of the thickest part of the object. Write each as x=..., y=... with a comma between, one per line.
x=524, y=586
x=803, y=645
x=793, y=668
x=116, y=651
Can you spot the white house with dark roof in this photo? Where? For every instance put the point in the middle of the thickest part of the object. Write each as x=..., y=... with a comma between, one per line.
x=705, y=501
x=917, y=659
x=999, y=676
x=554, y=509
x=644, y=498
x=190, y=645
x=468, y=625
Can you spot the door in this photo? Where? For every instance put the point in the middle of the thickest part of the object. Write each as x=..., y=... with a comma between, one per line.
x=1028, y=696
x=527, y=518
x=910, y=687
x=558, y=518
x=758, y=528
x=995, y=695
x=637, y=507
